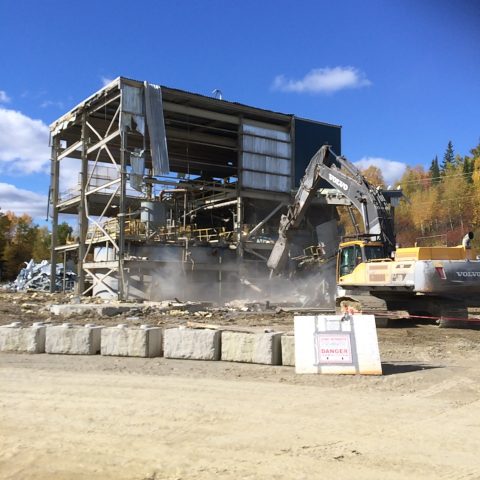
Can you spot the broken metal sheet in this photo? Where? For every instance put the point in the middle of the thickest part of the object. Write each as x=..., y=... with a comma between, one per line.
x=130, y=121
x=139, y=123
x=70, y=117
x=36, y=276
x=56, y=128
x=137, y=161
x=156, y=129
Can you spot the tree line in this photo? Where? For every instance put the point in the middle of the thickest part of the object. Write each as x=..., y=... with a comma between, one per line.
x=22, y=240
x=441, y=204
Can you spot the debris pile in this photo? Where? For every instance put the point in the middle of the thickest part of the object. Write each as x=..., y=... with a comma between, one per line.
x=36, y=276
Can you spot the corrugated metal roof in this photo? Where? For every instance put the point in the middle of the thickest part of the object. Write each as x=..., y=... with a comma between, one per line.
x=213, y=103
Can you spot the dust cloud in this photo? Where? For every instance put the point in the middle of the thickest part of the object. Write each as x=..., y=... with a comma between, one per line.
x=186, y=281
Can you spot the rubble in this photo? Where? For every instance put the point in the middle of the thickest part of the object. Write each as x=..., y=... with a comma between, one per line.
x=69, y=310
x=36, y=276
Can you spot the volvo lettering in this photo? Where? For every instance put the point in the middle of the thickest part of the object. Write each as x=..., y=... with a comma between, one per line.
x=337, y=182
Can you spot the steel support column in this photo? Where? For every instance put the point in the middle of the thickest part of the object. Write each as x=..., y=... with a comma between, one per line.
x=239, y=213
x=54, y=183
x=121, y=216
x=82, y=208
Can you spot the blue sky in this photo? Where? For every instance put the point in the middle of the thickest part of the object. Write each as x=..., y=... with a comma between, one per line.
x=401, y=77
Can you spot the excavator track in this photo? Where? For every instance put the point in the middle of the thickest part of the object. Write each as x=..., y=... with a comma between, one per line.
x=447, y=313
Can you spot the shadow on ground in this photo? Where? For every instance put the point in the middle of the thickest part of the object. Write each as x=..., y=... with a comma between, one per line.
x=395, y=368
x=472, y=324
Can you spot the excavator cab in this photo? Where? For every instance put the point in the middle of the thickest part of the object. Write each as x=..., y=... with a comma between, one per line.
x=353, y=253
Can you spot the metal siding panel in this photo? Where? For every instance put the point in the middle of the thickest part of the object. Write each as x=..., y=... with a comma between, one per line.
x=263, y=152
x=277, y=183
x=264, y=181
x=309, y=137
x=266, y=146
x=249, y=179
x=266, y=132
x=156, y=129
x=132, y=99
x=253, y=162
x=278, y=165
x=266, y=164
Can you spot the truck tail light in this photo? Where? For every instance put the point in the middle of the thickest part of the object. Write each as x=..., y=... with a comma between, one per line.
x=441, y=272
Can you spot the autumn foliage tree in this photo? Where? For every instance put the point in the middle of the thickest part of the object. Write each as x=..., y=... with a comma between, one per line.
x=440, y=205
x=440, y=209
x=374, y=176
x=22, y=240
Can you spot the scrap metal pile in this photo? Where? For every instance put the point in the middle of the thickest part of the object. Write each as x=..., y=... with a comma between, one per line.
x=36, y=276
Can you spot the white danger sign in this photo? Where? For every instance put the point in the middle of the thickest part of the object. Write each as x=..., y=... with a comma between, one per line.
x=333, y=348
x=336, y=344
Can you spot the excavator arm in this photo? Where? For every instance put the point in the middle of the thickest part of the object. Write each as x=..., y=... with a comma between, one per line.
x=348, y=180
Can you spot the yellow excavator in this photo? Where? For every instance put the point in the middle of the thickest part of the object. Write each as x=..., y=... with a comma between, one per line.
x=374, y=276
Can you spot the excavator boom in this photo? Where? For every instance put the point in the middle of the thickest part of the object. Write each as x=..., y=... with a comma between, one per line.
x=342, y=175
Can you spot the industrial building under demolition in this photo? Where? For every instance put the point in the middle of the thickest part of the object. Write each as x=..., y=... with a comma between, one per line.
x=180, y=194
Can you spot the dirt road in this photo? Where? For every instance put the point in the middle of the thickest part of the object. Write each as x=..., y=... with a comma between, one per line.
x=66, y=417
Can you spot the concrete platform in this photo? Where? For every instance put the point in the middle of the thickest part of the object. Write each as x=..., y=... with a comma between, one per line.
x=101, y=310
x=288, y=350
x=73, y=340
x=262, y=348
x=15, y=338
x=192, y=343
x=131, y=342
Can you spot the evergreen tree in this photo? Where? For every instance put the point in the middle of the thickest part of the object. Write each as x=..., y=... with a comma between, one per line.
x=434, y=171
x=468, y=166
x=448, y=158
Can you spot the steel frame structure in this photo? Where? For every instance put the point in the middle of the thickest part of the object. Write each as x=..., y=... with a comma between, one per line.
x=205, y=139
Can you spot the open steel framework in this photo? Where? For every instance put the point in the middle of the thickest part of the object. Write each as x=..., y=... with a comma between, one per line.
x=220, y=155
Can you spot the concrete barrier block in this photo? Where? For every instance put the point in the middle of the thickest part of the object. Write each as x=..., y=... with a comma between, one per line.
x=252, y=347
x=16, y=338
x=121, y=341
x=288, y=350
x=73, y=340
x=192, y=343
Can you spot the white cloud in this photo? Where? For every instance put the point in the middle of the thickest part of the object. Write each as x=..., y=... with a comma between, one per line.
x=106, y=80
x=69, y=174
x=21, y=201
x=4, y=98
x=391, y=169
x=323, y=80
x=51, y=103
x=23, y=143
